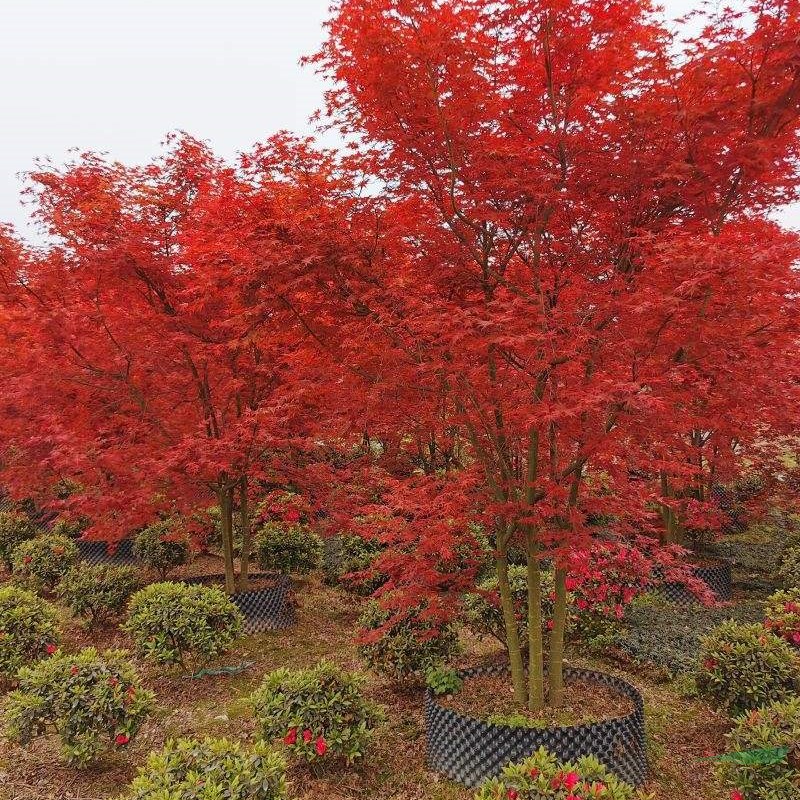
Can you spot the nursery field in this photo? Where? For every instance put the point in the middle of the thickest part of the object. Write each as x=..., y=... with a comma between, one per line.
x=682, y=733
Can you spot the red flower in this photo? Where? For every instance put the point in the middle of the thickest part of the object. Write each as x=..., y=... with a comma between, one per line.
x=50, y=649
x=26, y=559
x=709, y=664
x=113, y=682
x=121, y=739
x=571, y=780
x=73, y=670
x=534, y=772
x=321, y=746
x=307, y=735
x=292, y=515
x=512, y=794
x=599, y=787
x=549, y=625
x=796, y=637
x=736, y=795
x=291, y=736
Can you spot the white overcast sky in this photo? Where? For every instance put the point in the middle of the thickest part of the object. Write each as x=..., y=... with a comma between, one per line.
x=117, y=75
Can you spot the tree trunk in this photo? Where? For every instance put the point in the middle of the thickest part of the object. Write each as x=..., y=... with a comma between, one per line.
x=510, y=623
x=226, y=508
x=556, y=670
x=535, y=646
x=244, y=519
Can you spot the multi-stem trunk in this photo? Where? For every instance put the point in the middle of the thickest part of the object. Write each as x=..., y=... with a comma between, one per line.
x=535, y=644
x=225, y=498
x=510, y=624
x=244, y=521
x=556, y=668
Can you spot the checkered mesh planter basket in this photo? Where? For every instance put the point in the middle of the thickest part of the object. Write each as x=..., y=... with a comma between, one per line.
x=100, y=553
x=470, y=751
x=268, y=609
x=717, y=576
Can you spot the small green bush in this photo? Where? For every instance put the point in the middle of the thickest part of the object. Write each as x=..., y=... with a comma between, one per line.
x=319, y=713
x=541, y=777
x=15, y=528
x=43, y=562
x=187, y=625
x=287, y=548
x=93, y=702
x=211, y=769
x=484, y=615
x=407, y=648
x=28, y=629
x=162, y=547
x=776, y=726
x=348, y=562
x=443, y=680
x=790, y=568
x=745, y=666
x=98, y=591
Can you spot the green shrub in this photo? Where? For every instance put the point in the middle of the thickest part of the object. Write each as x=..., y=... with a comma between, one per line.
x=541, y=776
x=287, y=548
x=15, y=528
x=161, y=546
x=782, y=615
x=790, y=568
x=93, y=702
x=408, y=647
x=187, y=625
x=98, y=591
x=745, y=666
x=764, y=745
x=28, y=629
x=443, y=680
x=319, y=713
x=70, y=528
x=43, y=562
x=211, y=769
x=348, y=562
x=484, y=615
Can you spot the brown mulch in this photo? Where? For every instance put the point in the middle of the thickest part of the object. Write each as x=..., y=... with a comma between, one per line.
x=489, y=697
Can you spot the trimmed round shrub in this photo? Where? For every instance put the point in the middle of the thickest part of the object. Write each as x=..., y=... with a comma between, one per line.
x=542, y=776
x=745, y=666
x=93, y=701
x=162, y=547
x=763, y=762
x=98, y=591
x=187, y=625
x=790, y=568
x=408, y=647
x=484, y=614
x=210, y=769
x=318, y=713
x=291, y=549
x=15, y=528
x=348, y=562
x=782, y=615
x=43, y=562
x=28, y=629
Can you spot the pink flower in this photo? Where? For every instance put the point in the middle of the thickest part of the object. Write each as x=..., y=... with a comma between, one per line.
x=321, y=746
x=307, y=735
x=512, y=794
x=121, y=739
x=291, y=736
x=50, y=649
x=571, y=780
x=736, y=795
x=549, y=625
x=796, y=637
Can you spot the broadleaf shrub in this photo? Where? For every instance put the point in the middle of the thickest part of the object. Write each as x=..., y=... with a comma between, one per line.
x=443, y=680
x=178, y=623
x=28, y=629
x=162, y=546
x=97, y=591
x=15, y=528
x=348, y=562
x=410, y=646
x=210, y=769
x=484, y=615
x=542, y=776
x=745, y=666
x=93, y=701
x=790, y=568
x=771, y=727
x=287, y=548
x=318, y=713
x=43, y=562
x=782, y=615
